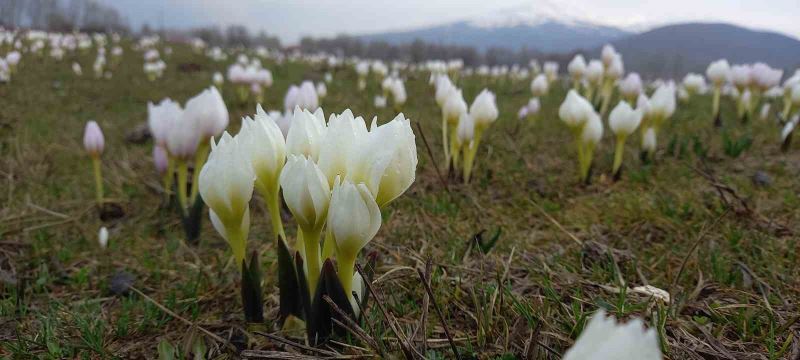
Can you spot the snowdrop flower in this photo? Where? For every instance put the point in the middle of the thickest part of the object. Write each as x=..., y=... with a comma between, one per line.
x=102, y=237
x=306, y=133
x=577, y=70
x=604, y=339
x=539, y=85
x=307, y=194
x=226, y=186
x=623, y=121
x=354, y=218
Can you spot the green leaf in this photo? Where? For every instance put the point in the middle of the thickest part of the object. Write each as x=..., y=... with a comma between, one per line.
x=165, y=350
x=288, y=285
x=252, y=297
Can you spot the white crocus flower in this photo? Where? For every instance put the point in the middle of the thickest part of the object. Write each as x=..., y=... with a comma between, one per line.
x=623, y=121
x=354, y=218
x=226, y=186
x=305, y=133
x=605, y=339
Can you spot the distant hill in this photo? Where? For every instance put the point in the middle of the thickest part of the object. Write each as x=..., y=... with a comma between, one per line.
x=673, y=50
x=545, y=27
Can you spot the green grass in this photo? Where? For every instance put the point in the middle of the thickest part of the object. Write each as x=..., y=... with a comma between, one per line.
x=738, y=286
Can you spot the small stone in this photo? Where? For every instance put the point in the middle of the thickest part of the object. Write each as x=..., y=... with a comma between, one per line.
x=120, y=283
x=761, y=179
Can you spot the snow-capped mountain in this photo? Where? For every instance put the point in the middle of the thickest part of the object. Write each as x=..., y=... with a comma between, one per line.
x=542, y=25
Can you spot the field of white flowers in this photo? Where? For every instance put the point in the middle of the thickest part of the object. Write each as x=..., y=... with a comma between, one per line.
x=177, y=200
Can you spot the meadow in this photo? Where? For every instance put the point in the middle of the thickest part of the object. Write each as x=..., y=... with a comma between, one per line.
x=511, y=265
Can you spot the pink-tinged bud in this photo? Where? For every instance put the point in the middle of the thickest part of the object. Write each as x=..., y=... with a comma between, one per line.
x=160, y=159
x=93, y=140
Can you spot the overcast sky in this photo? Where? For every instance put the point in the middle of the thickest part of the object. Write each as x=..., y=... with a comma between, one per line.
x=292, y=19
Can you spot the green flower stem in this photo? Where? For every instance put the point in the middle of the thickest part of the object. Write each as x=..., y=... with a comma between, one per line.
x=608, y=90
x=168, y=175
x=787, y=106
x=328, y=245
x=453, y=142
x=200, y=157
x=444, y=141
x=312, y=259
x=183, y=174
x=270, y=195
x=238, y=244
x=469, y=157
x=587, y=162
x=346, y=264
x=98, y=179
x=715, y=102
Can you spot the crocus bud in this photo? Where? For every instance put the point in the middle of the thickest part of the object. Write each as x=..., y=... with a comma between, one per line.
x=322, y=90
x=551, y=70
x=607, y=54
x=353, y=216
x=263, y=141
x=662, y=103
x=454, y=106
x=306, y=192
x=305, y=133
x=208, y=112
x=340, y=141
x=631, y=86
x=386, y=161
x=623, y=119
x=649, y=140
x=533, y=106
x=694, y=83
x=466, y=128
x=522, y=113
x=380, y=101
x=226, y=185
x=719, y=72
x=484, y=109
x=577, y=67
x=102, y=237
x=182, y=139
x=539, y=85
x=218, y=79
x=160, y=159
x=593, y=130
x=443, y=89
x=160, y=119
x=93, y=140
x=575, y=109
x=594, y=72
x=616, y=68
x=604, y=339
x=741, y=76
x=290, y=100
